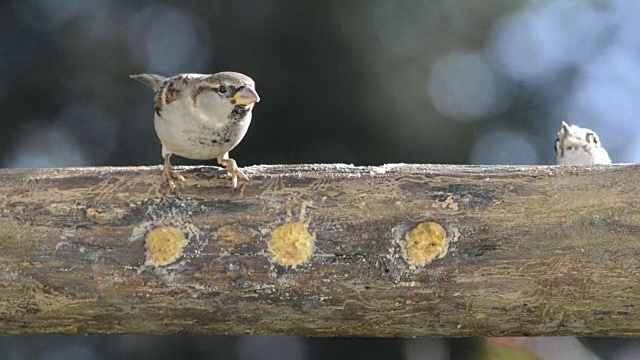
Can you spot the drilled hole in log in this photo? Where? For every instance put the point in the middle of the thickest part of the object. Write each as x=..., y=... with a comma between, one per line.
x=291, y=244
x=424, y=243
x=163, y=245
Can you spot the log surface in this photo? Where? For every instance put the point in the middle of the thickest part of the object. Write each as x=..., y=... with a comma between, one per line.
x=532, y=250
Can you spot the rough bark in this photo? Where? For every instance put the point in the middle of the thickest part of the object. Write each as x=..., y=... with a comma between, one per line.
x=531, y=251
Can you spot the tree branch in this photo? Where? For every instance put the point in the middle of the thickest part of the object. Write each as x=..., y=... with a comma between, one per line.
x=405, y=250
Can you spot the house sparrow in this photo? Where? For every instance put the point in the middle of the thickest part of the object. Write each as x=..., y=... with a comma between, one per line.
x=201, y=116
x=579, y=146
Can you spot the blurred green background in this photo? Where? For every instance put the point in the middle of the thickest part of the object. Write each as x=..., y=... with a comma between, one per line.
x=361, y=81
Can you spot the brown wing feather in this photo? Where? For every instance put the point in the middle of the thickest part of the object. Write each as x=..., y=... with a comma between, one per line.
x=172, y=88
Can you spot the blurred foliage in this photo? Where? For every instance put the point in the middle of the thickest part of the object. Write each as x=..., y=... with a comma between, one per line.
x=364, y=82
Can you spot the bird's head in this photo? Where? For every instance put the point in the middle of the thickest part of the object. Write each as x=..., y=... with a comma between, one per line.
x=573, y=137
x=224, y=93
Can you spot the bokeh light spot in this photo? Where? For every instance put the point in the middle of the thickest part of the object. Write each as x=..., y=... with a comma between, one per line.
x=463, y=85
x=501, y=146
x=45, y=147
x=166, y=40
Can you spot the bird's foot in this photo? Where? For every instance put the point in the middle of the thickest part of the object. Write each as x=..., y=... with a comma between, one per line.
x=170, y=176
x=234, y=173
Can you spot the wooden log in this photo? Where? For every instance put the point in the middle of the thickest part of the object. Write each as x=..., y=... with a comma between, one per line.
x=398, y=250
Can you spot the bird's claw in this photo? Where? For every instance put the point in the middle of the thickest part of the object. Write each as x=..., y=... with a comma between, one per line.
x=170, y=177
x=235, y=173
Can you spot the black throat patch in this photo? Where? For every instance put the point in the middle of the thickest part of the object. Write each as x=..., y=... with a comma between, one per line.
x=238, y=113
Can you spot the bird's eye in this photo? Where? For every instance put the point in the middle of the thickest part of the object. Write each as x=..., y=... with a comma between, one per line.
x=222, y=89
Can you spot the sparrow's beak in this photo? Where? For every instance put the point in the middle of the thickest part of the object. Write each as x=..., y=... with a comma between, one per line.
x=246, y=96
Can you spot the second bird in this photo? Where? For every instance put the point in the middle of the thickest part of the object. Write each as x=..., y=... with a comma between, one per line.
x=201, y=117
x=579, y=146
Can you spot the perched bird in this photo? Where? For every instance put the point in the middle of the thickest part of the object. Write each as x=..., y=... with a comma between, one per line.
x=579, y=146
x=202, y=117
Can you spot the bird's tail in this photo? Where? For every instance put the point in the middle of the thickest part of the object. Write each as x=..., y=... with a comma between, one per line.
x=151, y=80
